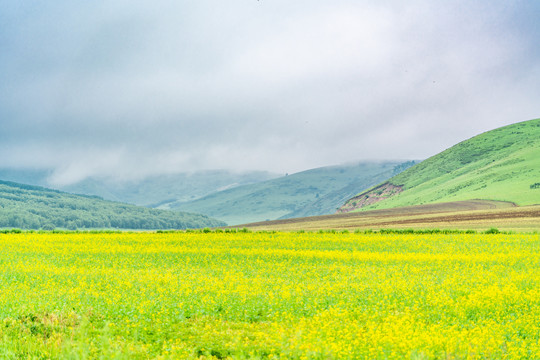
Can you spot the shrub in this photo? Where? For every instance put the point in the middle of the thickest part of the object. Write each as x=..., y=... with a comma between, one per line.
x=492, y=231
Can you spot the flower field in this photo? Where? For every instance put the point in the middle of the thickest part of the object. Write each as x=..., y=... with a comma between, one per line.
x=269, y=295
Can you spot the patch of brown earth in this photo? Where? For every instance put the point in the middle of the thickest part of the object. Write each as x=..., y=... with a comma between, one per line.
x=493, y=216
x=471, y=214
x=379, y=193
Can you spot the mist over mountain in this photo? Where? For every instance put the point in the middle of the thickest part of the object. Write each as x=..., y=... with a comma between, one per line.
x=234, y=197
x=151, y=191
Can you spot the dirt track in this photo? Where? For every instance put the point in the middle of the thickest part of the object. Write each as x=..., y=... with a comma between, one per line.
x=471, y=214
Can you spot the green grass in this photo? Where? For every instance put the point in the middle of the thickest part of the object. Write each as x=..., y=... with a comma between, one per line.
x=501, y=164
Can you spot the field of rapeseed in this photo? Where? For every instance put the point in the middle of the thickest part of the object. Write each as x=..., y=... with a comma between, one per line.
x=269, y=295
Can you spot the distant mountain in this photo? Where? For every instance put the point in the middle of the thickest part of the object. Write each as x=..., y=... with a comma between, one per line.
x=502, y=164
x=34, y=207
x=153, y=191
x=313, y=192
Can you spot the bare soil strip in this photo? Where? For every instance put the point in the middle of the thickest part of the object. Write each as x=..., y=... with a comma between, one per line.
x=472, y=214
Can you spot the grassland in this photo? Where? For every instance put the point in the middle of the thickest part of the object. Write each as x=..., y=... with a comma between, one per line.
x=502, y=164
x=269, y=296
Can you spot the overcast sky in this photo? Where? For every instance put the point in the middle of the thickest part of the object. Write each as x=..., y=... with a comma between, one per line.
x=129, y=88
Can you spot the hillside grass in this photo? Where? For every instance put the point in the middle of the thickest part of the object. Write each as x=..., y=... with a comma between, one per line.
x=502, y=164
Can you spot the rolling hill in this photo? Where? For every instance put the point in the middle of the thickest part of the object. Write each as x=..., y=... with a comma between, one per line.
x=502, y=165
x=34, y=207
x=312, y=192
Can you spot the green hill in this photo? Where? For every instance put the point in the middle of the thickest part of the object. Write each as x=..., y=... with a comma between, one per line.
x=502, y=164
x=313, y=192
x=34, y=207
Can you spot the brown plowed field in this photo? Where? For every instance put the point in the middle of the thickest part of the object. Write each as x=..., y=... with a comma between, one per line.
x=472, y=214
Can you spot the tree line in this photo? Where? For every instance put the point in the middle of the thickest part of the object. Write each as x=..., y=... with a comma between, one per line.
x=32, y=207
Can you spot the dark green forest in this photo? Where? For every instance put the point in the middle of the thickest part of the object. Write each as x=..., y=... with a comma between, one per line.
x=34, y=207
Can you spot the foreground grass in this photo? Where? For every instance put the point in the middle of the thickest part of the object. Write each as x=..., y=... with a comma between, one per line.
x=264, y=295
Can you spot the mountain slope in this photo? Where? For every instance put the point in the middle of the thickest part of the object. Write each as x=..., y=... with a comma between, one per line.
x=502, y=164
x=34, y=207
x=313, y=192
x=151, y=191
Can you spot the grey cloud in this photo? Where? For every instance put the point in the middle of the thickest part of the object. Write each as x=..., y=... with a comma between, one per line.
x=119, y=88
